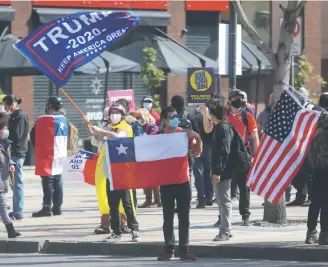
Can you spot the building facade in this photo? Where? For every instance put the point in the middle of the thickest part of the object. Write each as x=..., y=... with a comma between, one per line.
x=193, y=23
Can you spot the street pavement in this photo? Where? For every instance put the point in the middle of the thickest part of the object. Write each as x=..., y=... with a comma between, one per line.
x=38, y=260
x=81, y=216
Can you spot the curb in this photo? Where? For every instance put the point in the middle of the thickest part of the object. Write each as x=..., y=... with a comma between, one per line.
x=272, y=252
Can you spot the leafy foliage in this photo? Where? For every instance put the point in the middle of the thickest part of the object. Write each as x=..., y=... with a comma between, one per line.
x=304, y=75
x=152, y=76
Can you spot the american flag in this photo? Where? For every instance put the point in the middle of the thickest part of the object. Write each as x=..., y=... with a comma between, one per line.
x=283, y=148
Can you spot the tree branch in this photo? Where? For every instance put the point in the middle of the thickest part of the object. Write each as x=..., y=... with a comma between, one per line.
x=247, y=26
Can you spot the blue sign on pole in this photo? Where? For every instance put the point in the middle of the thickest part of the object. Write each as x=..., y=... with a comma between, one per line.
x=67, y=43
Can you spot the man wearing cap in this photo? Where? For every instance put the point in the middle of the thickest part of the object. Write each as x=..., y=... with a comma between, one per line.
x=245, y=124
x=147, y=103
x=4, y=116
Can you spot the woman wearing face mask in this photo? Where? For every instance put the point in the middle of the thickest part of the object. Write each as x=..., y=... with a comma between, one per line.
x=7, y=166
x=18, y=126
x=117, y=128
x=147, y=103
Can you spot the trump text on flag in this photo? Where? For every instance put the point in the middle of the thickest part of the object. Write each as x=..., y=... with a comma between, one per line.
x=200, y=85
x=67, y=43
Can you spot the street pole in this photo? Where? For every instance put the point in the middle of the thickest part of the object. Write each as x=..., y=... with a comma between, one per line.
x=292, y=72
x=218, y=77
x=232, y=46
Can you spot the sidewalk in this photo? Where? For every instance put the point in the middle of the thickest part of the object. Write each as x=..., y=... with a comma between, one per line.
x=72, y=233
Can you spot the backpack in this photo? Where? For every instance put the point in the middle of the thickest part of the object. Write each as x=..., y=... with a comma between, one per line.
x=184, y=122
x=136, y=128
x=73, y=136
x=240, y=156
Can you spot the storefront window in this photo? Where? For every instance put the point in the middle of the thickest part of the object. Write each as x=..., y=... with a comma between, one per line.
x=259, y=14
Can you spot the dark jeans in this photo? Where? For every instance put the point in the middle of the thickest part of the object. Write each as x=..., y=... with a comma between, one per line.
x=245, y=194
x=319, y=203
x=203, y=181
x=182, y=194
x=114, y=198
x=52, y=190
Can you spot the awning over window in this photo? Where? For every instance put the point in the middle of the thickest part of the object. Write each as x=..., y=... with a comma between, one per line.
x=147, y=18
x=7, y=13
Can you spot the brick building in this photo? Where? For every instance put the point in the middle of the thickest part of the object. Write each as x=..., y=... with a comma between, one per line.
x=199, y=18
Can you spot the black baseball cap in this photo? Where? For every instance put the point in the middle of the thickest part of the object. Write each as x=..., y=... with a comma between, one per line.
x=234, y=93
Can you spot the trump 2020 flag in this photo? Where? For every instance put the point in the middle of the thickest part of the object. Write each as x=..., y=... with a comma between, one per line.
x=147, y=161
x=59, y=47
x=283, y=147
x=51, y=139
x=81, y=167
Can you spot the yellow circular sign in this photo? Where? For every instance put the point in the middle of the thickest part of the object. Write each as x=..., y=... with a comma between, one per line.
x=200, y=80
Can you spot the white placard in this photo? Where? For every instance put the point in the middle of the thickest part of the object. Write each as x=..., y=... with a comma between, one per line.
x=297, y=46
x=224, y=50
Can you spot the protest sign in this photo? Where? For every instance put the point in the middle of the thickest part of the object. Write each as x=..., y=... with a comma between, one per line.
x=113, y=96
x=200, y=85
x=67, y=43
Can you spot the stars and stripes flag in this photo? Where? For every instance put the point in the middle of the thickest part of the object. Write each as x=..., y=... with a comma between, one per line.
x=81, y=167
x=283, y=147
x=147, y=161
x=51, y=139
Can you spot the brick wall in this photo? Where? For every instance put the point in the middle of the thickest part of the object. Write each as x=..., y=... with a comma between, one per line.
x=176, y=84
x=22, y=87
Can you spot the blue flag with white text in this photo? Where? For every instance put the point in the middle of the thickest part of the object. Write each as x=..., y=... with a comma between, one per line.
x=69, y=42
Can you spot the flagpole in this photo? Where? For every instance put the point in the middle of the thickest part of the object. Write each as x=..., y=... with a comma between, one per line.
x=73, y=103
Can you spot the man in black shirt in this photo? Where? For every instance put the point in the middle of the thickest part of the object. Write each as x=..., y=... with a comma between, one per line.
x=202, y=165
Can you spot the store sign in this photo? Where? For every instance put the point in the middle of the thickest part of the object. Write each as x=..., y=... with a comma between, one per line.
x=297, y=47
x=224, y=47
x=5, y=2
x=204, y=5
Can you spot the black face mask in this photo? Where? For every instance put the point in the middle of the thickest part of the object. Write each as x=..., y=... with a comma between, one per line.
x=237, y=103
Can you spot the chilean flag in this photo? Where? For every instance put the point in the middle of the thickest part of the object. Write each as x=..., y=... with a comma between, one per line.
x=81, y=166
x=51, y=137
x=147, y=161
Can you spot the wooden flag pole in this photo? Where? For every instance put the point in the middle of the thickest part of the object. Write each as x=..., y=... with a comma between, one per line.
x=73, y=103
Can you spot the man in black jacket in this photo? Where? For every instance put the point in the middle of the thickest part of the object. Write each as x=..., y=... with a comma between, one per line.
x=18, y=126
x=222, y=165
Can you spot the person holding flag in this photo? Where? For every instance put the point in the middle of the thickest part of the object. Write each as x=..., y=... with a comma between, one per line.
x=118, y=128
x=50, y=137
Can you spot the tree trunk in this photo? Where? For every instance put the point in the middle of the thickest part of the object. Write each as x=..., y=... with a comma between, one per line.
x=280, y=62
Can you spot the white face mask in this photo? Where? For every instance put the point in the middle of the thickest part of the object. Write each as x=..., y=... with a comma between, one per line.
x=2, y=109
x=208, y=114
x=115, y=118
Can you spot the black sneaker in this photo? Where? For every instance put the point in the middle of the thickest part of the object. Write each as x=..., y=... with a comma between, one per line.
x=113, y=237
x=188, y=256
x=102, y=229
x=295, y=203
x=15, y=217
x=200, y=206
x=168, y=256
x=246, y=222
x=209, y=203
x=57, y=211
x=135, y=236
x=44, y=212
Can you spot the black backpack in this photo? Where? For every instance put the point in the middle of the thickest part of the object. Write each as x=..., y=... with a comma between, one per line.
x=241, y=158
x=184, y=122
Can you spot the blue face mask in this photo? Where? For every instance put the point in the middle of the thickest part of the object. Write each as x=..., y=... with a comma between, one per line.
x=147, y=106
x=5, y=134
x=174, y=123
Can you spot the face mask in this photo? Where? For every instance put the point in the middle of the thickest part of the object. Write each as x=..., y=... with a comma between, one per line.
x=147, y=106
x=237, y=103
x=5, y=134
x=174, y=123
x=2, y=109
x=208, y=114
x=115, y=118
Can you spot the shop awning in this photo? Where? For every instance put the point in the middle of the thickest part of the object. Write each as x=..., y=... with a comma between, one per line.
x=7, y=13
x=147, y=18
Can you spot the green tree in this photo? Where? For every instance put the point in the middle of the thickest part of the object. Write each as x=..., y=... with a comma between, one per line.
x=152, y=76
x=304, y=75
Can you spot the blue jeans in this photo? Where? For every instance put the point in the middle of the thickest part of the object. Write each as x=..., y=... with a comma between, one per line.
x=203, y=181
x=18, y=194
